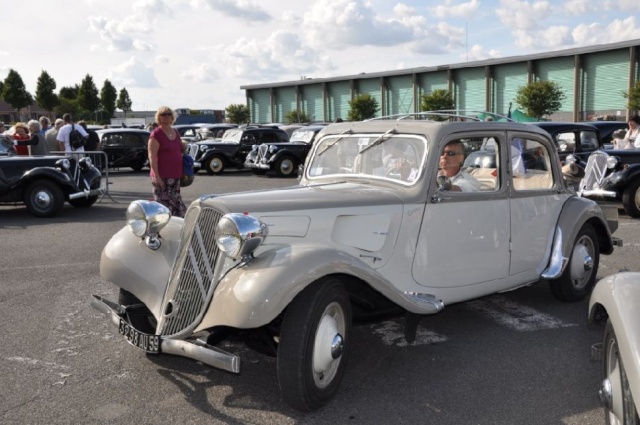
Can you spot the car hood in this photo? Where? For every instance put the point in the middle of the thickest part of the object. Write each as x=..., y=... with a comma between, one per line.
x=296, y=198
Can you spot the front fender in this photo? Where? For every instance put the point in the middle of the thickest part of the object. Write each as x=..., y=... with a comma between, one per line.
x=619, y=295
x=618, y=180
x=49, y=173
x=253, y=295
x=128, y=263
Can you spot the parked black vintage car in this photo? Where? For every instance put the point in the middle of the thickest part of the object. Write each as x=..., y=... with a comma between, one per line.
x=614, y=176
x=283, y=158
x=213, y=131
x=44, y=183
x=189, y=132
x=606, y=129
x=125, y=147
x=214, y=155
x=573, y=138
x=6, y=146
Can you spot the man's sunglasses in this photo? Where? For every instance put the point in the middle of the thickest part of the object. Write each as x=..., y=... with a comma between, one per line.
x=450, y=153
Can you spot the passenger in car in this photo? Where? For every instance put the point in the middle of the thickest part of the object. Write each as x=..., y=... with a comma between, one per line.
x=450, y=165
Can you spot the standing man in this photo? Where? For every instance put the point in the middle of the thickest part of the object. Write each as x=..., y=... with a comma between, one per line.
x=45, y=124
x=63, y=134
x=52, y=134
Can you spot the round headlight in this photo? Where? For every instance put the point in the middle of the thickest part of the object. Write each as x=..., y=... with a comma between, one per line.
x=238, y=235
x=570, y=159
x=272, y=149
x=203, y=148
x=63, y=163
x=612, y=162
x=146, y=218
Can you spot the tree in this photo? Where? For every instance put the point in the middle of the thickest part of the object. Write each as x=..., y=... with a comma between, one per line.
x=362, y=107
x=295, y=117
x=540, y=98
x=634, y=97
x=124, y=101
x=14, y=91
x=108, y=98
x=45, y=95
x=437, y=100
x=68, y=101
x=238, y=113
x=88, y=99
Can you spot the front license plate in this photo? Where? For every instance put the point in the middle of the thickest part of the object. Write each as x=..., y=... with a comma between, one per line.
x=145, y=342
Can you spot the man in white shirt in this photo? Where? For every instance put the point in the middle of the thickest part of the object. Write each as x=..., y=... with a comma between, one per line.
x=450, y=166
x=63, y=134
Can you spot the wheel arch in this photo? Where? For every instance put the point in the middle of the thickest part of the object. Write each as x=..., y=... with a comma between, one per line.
x=574, y=215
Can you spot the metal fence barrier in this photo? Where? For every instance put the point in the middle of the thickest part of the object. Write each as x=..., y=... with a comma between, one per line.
x=100, y=160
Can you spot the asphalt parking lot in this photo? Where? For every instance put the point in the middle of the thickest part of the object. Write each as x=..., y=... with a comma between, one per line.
x=520, y=357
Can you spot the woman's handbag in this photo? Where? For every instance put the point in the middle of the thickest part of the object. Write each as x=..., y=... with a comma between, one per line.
x=188, y=174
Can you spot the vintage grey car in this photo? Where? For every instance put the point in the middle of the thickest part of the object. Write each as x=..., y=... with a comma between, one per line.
x=371, y=231
x=614, y=303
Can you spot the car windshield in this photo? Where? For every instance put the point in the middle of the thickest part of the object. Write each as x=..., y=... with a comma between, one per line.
x=305, y=136
x=232, y=136
x=394, y=157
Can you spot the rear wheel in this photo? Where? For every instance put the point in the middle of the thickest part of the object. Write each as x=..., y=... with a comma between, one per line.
x=215, y=165
x=631, y=199
x=44, y=198
x=314, y=345
x=579, y=276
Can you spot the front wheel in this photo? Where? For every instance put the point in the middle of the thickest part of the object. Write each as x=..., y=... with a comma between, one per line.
x=631, y=199
x=215, y=165
x=314, y=345
x=44, y=198
x=579, y=276
x=615, y=394
x=286, y=167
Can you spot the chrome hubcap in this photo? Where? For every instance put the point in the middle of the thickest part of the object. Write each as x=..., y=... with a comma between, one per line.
x=582, y=262
x=328, y=345
x=42, y=199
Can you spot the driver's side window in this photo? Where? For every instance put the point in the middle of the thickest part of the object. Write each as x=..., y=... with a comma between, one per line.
x=470, y=164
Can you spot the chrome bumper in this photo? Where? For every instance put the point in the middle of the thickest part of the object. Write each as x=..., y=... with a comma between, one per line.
x=256, y=165
x=598, y=192
x=86, y=193
x=197, y=350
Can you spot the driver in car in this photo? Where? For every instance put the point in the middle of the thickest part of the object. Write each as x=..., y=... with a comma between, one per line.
x=450, y=170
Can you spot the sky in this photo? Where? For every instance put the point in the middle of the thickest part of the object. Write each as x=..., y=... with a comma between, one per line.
x=197, y=53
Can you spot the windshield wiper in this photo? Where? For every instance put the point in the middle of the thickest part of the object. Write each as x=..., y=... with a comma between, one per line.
x=379, y=140
x=340, y=137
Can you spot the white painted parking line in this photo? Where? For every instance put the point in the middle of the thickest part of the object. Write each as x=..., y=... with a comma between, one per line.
x=514, y=315
x=392, y=333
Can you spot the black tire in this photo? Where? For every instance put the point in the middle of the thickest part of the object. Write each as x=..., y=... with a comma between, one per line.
x=286, y=166
x=631, y=199
x=214, y=165
x=143, y=320
x=319, y=314
x=579, y=275
x=44, y=198
x=614, y=373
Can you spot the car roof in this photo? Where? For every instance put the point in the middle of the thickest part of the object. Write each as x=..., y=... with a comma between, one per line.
x=122, y=130
x=559, y=126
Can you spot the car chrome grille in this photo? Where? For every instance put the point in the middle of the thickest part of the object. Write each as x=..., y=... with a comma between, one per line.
x=262, y=152
x=192, y=279
x=595, y=171
x=193, y=150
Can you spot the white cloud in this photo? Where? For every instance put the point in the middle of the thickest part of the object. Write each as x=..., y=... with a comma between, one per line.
x=203, y=73
x=596, y=33
x=522, y=15
x=244, y=10
x=120, y=35
x=161, y=59
x=477, y=53
x=462, y=10
x=580, y=7
x=133, y=73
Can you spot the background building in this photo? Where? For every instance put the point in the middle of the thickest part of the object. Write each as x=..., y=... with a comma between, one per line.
x=592, y=78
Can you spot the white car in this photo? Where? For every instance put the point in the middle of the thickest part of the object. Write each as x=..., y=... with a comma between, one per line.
x=373, y=228
x=614, y=302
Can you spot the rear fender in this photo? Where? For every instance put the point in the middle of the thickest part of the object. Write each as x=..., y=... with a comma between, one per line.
x=575, y=213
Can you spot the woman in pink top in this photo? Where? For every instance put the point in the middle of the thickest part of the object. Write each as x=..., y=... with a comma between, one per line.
x=165, y=161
